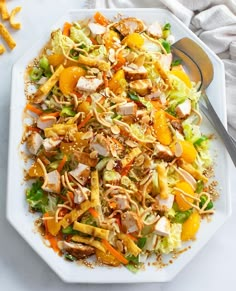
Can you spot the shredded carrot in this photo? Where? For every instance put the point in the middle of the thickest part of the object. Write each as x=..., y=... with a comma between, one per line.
x=34, y=109
x=105, y=79
x=114, y=252
x=171, y=117
x=156, y=104
x=79, y=95
x=93, y=40
x=71, y=194
x=93, y=212
x=117, y=143
x=82, y=124
x=120, y=62
x=112, y=204
x=55, y=114
x=63, y=212
x=53, y=243
x=64, y=198
x=132, y=237
x=101, y=19
x=89, y=99
x=49, y=237
x=66, y=28
x=125, y=170
x=62, y=163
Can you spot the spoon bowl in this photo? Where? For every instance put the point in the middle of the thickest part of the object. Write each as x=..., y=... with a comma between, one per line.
x=200, y=69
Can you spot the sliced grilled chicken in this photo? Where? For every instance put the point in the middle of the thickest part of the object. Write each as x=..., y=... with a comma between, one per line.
x=142, y=87
x=81, y=173
x=155, y=30
x=164, y=153
x=184, y=109
x=77, y=250
x=53, y=182
x=130, y=222
x=100, y=144
x=88, y=84
x=34, y=142
x=129, y=108
x=130, y=25
x=50, y=143
x=133, y=72
x=96, y=28
x=162, y=227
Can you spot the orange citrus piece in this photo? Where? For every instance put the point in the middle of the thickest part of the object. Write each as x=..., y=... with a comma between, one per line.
x=134, y=41
x=161, y=128
x=186, y=187
x=69, y=78
x=191, y=226
x=182, y=76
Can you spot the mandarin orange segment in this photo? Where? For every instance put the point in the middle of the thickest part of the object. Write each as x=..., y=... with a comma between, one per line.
x=56, y=59
x=134, y=41
x=161, y=128
x=35, y=170
x=191, y=226
x=182, y=76
x=110, y=39
x=53, y=227
x=69, y=147
x=185, y=187
x=189, y=153
x=85, y=107
x=118, y=83
x=59, y=59
x=69, y=78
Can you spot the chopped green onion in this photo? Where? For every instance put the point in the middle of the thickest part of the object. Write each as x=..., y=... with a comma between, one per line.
x=176, y=63
x=167, y=26
x=166, y=45
x=69, y=230
x=203, y=199
x=141, y=242
x=200, y=140
x=132, y=259
x=67, y=111
x=182, y=216
x=44, y=64
x=36, y=74
x=132, y=268
x=133, y=96
x=69, y=257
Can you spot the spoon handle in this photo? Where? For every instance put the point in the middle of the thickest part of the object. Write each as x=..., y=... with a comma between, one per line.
x=220, y=129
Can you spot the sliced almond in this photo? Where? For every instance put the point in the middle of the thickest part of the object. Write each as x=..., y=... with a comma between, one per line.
x=178, y=150
x=93, y=155
x=87, y=135
x=110, y=165
x=131, y=143
x=115, y=129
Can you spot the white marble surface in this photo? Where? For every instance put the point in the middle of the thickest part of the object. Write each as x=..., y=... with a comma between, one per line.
x=20, y=268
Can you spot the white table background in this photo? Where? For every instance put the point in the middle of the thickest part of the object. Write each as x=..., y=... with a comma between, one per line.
x=23, y=270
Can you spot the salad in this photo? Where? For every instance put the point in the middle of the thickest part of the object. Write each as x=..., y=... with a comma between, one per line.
x=119, y=167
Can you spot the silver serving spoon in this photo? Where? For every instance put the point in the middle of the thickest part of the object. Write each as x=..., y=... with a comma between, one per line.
x=200, y=69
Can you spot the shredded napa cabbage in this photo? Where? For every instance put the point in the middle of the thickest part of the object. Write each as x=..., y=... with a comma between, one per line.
x=172, y=242
x=78, y=36
x=61, y=43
